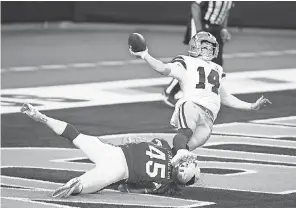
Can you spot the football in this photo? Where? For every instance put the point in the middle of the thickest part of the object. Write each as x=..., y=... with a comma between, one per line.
x=137, y=42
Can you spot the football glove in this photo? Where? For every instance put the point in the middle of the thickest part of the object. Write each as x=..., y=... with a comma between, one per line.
x=140, y=54
x=261, y=102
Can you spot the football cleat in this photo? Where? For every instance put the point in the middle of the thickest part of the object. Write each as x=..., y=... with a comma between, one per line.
x=67, y=189
x=33, y=113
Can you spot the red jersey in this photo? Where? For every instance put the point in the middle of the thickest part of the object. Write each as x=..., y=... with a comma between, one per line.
x=148, y=161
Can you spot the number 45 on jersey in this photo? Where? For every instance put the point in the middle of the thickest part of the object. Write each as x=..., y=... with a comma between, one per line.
x=154, y=168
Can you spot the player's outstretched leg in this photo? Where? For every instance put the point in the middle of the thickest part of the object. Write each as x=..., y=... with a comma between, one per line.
x=103, y=155
x=61, y=128
x=89, y=145
x=74, y=186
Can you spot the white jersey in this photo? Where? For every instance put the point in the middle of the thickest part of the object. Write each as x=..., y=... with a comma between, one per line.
x=199, y=80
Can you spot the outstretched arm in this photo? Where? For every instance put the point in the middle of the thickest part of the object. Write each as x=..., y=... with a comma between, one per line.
x=158, y=65
x=175, y=70
x=233, y=102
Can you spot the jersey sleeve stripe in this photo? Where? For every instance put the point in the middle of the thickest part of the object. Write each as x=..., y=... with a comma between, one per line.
x=181, y=60
x=178, y=57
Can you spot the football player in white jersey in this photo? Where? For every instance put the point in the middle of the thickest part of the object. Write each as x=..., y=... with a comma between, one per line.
x=201, y=81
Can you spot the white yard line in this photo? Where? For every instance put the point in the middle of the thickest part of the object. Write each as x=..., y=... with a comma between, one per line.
x=138, y=61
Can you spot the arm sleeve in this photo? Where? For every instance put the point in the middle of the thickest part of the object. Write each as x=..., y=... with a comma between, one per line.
x=231, y=101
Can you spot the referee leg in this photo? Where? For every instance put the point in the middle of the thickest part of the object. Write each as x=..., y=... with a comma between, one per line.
x=217, y=35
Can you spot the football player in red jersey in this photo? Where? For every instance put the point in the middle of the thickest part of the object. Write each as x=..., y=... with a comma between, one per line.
x=147, y=163
x=172, y=188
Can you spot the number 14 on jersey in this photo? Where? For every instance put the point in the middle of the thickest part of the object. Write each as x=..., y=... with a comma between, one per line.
x=213, y=78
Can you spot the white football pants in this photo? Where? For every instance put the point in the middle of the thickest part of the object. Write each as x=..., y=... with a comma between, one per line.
x=190, y=115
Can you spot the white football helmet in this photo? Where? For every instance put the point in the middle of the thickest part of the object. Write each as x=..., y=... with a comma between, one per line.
x=188, y=171
x=204, y=45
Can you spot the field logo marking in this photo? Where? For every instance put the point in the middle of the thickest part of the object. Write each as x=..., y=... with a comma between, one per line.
x=134, y=91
